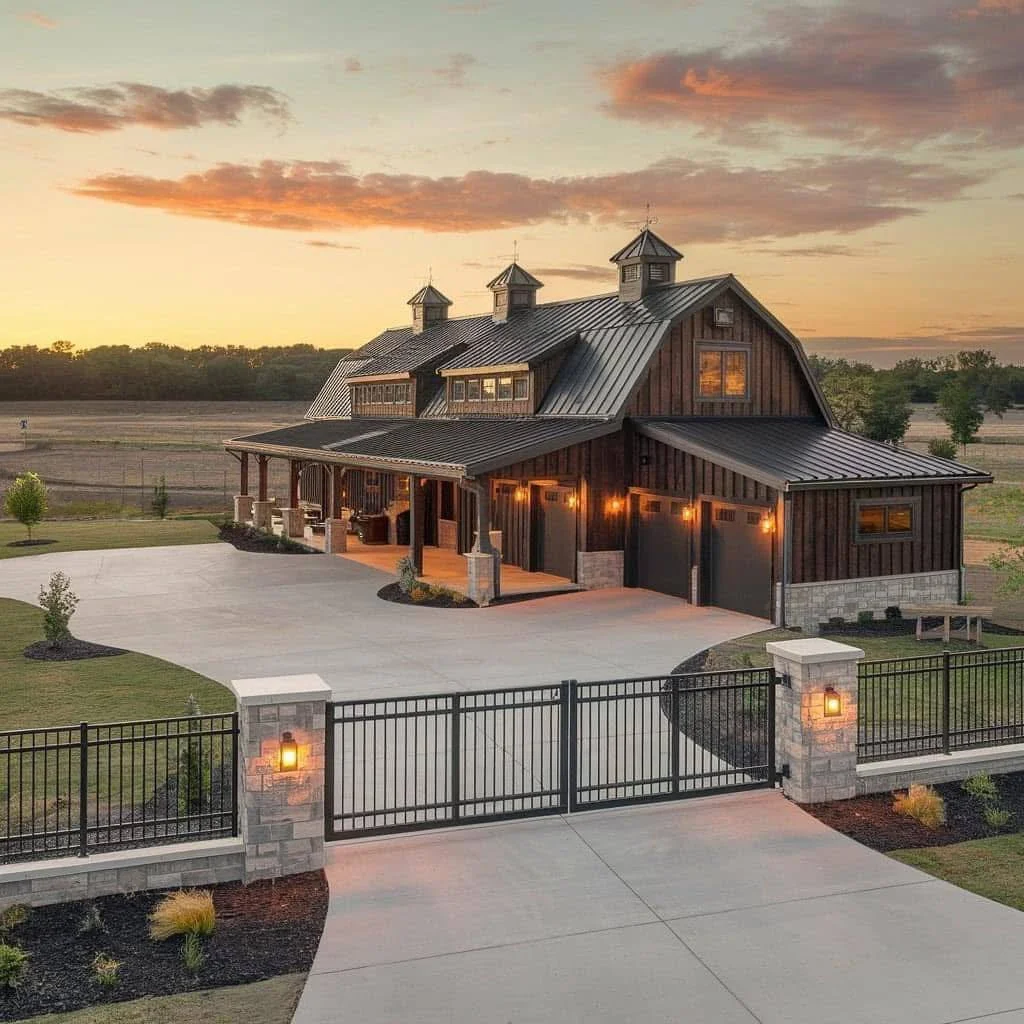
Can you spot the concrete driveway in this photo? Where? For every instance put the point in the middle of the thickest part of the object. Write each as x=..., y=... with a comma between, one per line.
x=231, y=614
x=712, y=911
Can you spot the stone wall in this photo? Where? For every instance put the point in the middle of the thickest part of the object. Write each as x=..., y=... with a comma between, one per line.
x=596, y=570
x=883, y=776
x=448, y=534
x=38, y=883
x=809, y=604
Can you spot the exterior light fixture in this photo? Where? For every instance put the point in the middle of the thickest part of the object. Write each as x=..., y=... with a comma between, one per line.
x=520, y=494
x=833, y=702
x=767, y=523
x=289, y=753
x=688, y=513
x=614, y=506
x=571, y=500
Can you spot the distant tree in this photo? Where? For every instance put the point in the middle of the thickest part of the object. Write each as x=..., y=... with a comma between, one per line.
x=942, y=448
x=887, y=415
x=58, y=603
x=848, y=393
x=26, y=500
x=160, y=498
x=960, y=409
x=1009, y=563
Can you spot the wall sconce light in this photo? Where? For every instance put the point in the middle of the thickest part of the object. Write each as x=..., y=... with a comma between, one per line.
x=614, y=506
x=833, y=702
x=767, y=523
x=688, y=513
x=571, y=500
x=289, y=753
x=521, y=494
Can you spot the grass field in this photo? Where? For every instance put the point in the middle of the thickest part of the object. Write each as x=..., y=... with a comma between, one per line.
x=94, y=535
x=263, y=1002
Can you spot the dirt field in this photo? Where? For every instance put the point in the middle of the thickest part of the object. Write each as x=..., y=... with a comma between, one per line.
x=104, y=458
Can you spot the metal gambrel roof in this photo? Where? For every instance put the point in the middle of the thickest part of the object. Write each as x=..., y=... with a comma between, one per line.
x=790, y=454
x=334, y=399
x=647, y=243
x=453, y=448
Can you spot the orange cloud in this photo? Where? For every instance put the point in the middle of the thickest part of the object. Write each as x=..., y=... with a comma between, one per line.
x=39, y=19
x=698, y=202
x=111, y=108
x=856, y=72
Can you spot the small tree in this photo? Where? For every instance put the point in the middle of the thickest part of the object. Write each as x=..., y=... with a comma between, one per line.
x=887, y=415
x=160, y=498
x=942, y=448
x=960, y=409
x=406, y=574
x=58, y=603
x=26, y=500
x=848, y=392
x=1009, y=563
x=194, y=770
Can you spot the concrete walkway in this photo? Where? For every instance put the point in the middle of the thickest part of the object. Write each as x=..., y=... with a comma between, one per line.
x=231, y=614
x=712, y=911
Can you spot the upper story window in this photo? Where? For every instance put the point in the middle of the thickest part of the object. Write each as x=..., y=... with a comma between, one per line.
x=510, y=388
x=504, y=389
x=723, y=373
x=890, y=519
x=658, y=271
x=521, y=389
x=473, y=390
x=489, y=389
x=631, y=272
x=458, y=390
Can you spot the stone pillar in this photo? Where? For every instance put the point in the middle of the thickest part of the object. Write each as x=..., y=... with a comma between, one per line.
x=281, y=814
x=336, y=536
x=293, y=522
x=261, y=514
x=480, y=576
x=243, y=508
x=820, y=749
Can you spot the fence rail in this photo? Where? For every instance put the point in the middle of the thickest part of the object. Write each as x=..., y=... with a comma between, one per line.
x=90, y=788
x=940, y=703
x=399, y=764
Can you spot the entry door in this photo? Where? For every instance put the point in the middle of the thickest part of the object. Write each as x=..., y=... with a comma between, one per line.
x=740, y=562
x=555, y=531
x=663, y=544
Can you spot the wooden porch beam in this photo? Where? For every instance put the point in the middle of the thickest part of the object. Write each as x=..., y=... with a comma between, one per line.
x=243, y=473
x=261, y=468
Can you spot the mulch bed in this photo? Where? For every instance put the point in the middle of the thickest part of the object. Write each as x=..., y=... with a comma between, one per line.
x=872, y=821
x=30, y=543
x=71, y=650
x=248, y=538
x=393, y=592
x=263, y=930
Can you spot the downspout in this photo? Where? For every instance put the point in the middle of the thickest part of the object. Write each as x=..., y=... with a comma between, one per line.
x=787, y=552
x=963, y=569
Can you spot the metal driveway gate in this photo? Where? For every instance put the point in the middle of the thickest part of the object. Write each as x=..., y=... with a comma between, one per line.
x=405, y=763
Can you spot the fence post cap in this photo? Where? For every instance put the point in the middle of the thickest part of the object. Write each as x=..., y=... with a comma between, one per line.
x=279, y=689
x=813, y=651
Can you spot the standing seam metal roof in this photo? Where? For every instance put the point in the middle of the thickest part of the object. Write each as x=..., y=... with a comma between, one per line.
x=334, y=398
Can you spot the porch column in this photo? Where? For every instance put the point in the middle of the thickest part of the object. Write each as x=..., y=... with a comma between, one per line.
x=294, y=472
x=483, y=563
x=417, y=512
x=243, y=500
x=261, y=506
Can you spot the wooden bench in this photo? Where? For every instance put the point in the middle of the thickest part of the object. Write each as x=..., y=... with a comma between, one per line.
x=947, y=612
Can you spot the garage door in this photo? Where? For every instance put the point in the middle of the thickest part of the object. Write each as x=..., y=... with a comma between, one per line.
x=740, y=562
x=556, y=531
x=663, y=545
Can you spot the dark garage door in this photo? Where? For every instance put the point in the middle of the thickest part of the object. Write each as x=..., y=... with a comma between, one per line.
x=663, y=545
x=556, y=531
x=740, y=559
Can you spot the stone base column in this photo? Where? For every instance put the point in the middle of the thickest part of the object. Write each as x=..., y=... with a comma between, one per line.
x=336, y=536
x=481, y=570
x=596, y=570
x=281, y=813
x=243, y=508
x=293, y=522
x=261, y=514
x=819, y=747
x=495, y=540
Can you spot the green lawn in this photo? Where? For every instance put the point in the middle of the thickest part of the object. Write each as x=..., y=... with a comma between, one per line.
x=263, y=1002
x=989, y=867
x=995, y=512
x=91, y=535
x=37, y=693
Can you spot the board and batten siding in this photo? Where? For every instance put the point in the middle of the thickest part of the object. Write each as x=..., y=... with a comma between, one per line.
x=825, y=548
x=778, y=386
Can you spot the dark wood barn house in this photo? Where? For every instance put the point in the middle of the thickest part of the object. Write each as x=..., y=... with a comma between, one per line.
x=668, y=435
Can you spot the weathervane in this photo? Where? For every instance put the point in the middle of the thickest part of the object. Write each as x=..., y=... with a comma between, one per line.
x=648, y=219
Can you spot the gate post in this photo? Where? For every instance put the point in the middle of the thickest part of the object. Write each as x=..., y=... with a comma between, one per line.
x=281, y=799
x=816, y=718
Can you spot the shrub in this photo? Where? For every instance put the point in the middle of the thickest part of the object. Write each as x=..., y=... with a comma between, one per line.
x=13, y=965
x=26, y=500
x=865, y=617
x=185, y=912
x=942, y=448
x=194, y=778
x=923, y=804
x=406, y=574
x=92, y=921
x=106, y=970
x=192, y=955
x=893, y=613
x=981, y=787
x=420, y=594
x=997, y=817
x=836, y=622
x=58, y=602
x=160, y=499
x=14, y=915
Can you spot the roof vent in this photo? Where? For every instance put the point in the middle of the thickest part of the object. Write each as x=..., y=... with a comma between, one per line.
x=515, y=291
x=429, y=307
x=646, y=263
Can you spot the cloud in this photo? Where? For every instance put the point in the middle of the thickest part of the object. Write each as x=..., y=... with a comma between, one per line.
x=319, y=243
x=1007, y=342
x=578, y=272
x=353, y=65
x=859, y=72
x=39, y=19
x=705, y=202
x=111, y=108
x=815, y=251
x=453, y=73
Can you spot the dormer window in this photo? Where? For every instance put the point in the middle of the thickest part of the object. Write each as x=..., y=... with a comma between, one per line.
x=458, y=390
x=489, y=389
x=473, y=390
x=504, y=389
x=521, y=389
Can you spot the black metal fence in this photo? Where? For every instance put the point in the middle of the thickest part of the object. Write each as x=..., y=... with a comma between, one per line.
x=416, y=762
x=940, y=703
x=90, y=788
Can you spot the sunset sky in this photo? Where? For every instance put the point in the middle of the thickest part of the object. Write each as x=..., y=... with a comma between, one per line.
x=267, y=173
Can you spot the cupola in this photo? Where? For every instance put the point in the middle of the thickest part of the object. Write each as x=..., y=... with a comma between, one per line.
x=515, y=291
x=429, y=307
x=646, y=263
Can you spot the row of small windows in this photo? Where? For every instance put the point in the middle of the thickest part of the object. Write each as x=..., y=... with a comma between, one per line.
x=381, y=394
x=491, y=389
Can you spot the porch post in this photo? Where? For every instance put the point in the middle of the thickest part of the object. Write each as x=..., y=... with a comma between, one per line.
x=336, y=528
x=261, y=506
x=417, y=510
x=483, y=563
x=243, y=500
x=243, y=482
x=292, y=524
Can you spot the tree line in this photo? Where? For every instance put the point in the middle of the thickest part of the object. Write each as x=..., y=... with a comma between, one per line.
x=877, y=403
x=164, y=372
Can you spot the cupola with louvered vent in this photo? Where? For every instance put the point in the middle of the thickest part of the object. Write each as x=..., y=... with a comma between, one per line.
x=429, y=307
x=648, y=262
